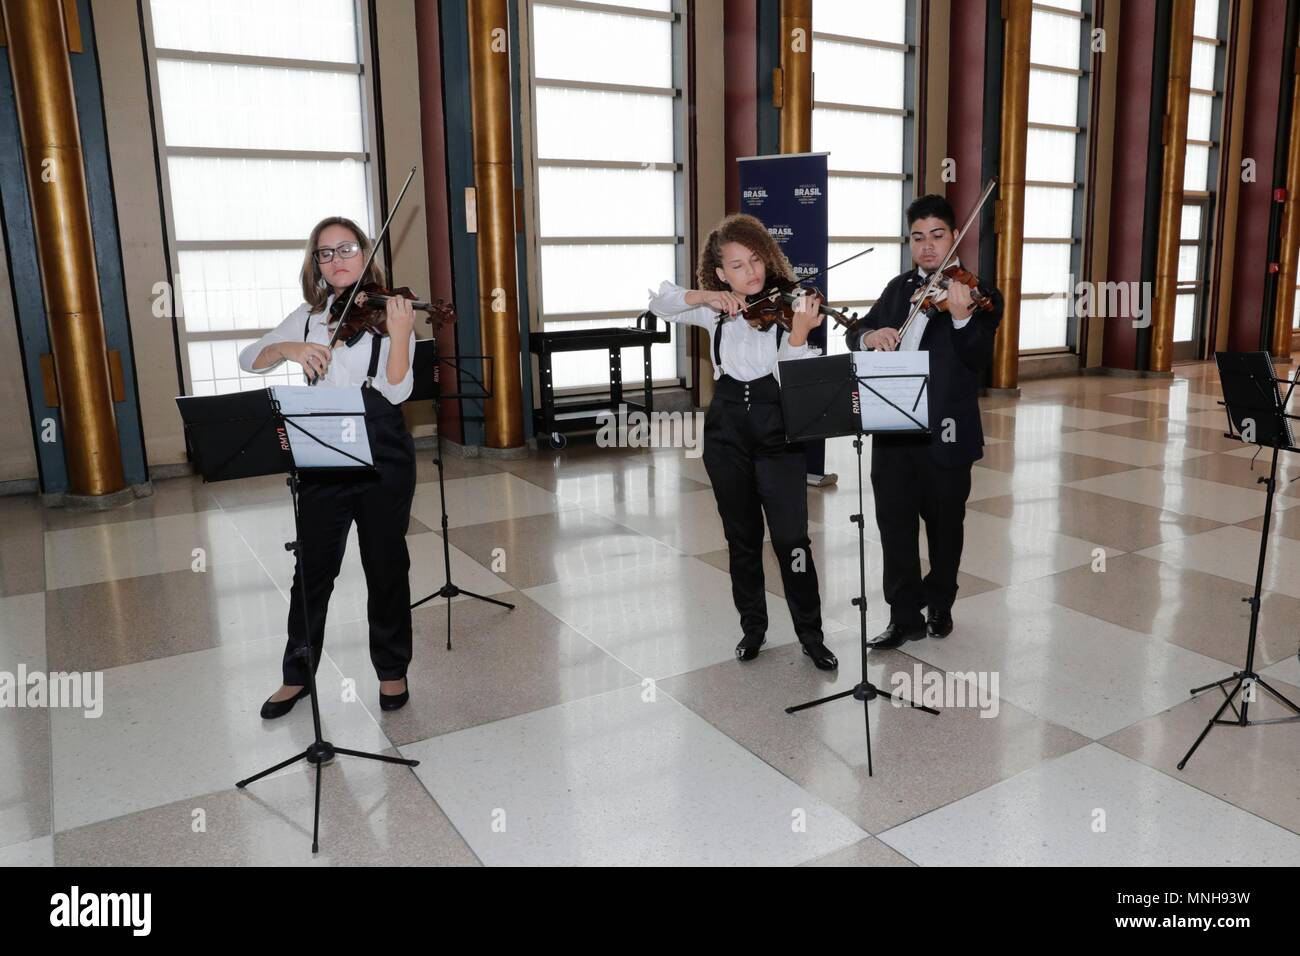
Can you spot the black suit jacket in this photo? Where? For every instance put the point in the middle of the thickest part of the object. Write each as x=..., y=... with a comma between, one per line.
x=958, y=358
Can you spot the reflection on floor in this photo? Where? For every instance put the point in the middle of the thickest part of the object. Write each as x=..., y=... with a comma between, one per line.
x=1111, y=534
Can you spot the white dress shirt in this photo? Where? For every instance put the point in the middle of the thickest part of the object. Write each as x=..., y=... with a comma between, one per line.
x=912, y=340
x=348, y=365
x=747, y=353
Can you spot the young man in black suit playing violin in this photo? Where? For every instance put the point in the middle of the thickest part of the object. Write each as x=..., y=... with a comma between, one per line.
x=928, y=477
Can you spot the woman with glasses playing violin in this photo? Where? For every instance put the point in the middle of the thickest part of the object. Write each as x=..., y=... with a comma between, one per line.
x=335, y=255
x=752, y=469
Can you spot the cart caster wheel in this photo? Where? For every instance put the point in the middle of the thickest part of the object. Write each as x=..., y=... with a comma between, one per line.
x=558, y=440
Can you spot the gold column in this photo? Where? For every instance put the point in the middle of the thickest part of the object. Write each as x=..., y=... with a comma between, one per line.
x=1010, y=216
x=494, y=181
x=1171, y=186
x=1281, y=338
x=796, y=76
x=37, y=39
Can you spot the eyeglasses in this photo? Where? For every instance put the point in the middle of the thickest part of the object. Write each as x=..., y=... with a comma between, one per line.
x=345, y=250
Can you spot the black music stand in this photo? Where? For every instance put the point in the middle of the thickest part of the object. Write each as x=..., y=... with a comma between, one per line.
x=428, y=386
x=821, y=398
x=1257, y=414
x=247, y=434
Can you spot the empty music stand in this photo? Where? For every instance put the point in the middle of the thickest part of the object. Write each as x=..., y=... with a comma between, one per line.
x=248, y=434
x=428, y=386
x=1257, y=414
x=836, y=395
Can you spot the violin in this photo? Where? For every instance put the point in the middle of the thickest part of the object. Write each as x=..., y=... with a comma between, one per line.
x=775, y=306
x=934, y=296
x=369, y=312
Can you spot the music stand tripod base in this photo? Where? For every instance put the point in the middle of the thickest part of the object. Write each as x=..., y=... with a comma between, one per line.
x=836, y=385
x=1257, y=414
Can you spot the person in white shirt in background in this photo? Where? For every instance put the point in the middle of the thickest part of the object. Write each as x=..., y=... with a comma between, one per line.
x=752, y=469
x=332, y=262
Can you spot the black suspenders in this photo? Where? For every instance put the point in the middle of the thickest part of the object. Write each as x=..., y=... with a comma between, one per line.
x=376, y=343
x=717, y=342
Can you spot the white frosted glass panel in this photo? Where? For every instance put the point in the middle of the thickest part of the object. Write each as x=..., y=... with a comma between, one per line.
x=863, y=278
x=858, y=75
x=214, y=369
x=1053, y=98
x=1196, y=173
x=859, y=142
x=1054, y=40
x=593, y=278
x=1295, y=311
x=605, y=202
x=300, y=29
x=231, y=289
x=1049, y=156
x=601, y=47
x=258, y=107
x=864, y=207
x=591, y=369
x=660, y=6
x=1076, y=5
x=1184, y=315
x=1198, y=115
x=1043, y=323
x=1202, y=65
x=876, y=20
x=1205, y=22
x=278, y=199
x=595, y=124
x=1045, y=267
x=1191, y=223
x=1049, y=212
x=1187, y=262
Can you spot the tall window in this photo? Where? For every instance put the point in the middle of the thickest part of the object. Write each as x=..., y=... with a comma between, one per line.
x=607, y=147
x=261, y=134
x=1204, y=110
x=862, y=117
x=1053, y=175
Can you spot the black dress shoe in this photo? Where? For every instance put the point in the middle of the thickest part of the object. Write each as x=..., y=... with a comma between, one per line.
x=278, y=708
x=895, y=635
x=821, y=656
x=748, y=647
x=394, y=701
x=938, y=623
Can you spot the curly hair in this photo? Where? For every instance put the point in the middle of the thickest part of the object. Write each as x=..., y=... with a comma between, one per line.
x=750, y=233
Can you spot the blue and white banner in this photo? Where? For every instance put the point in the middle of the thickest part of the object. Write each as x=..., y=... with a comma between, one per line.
x=787, y=194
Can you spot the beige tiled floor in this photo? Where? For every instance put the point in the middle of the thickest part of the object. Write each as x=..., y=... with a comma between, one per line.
x=1111, y=534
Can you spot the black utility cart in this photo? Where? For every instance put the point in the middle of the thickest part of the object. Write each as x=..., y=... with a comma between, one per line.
x=553, y=422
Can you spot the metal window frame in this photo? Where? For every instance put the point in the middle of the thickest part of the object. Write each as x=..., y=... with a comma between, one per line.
x=907, y=159
x=363, y=68
x=1196, y=347
x=535, y=242
x=1080, y=133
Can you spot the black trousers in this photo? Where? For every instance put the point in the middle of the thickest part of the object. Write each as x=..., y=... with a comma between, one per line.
x=381, y=507
x=909, y=487
x=755, y=473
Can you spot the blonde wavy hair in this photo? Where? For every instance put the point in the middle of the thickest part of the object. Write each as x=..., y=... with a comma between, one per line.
x=312, y=292
x=751, y=234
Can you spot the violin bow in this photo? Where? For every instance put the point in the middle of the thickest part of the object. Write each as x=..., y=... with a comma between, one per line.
x=933, y=281
x=774, y=291
x=374, y=248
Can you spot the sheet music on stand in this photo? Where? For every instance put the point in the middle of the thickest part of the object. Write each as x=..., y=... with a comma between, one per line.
x=894, y=390
x=326, y=425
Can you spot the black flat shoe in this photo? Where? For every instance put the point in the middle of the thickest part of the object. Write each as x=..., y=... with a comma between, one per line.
x=748, y=647
x=938, y=623
x=895, y=636
x=394, y=701
x=278, y=708
x=821, y=656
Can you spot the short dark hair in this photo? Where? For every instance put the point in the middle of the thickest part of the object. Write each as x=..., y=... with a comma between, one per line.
x=923, y=207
